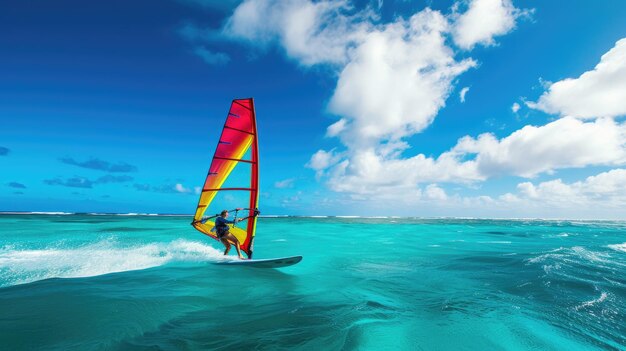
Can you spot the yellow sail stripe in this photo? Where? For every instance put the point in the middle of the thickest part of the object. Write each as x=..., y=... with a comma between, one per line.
x=207, y=197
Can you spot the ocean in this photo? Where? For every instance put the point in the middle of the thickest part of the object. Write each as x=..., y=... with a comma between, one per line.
x=112, y=282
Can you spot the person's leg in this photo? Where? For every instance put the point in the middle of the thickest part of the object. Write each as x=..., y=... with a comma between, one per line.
x=234, y=240
x=224, y=241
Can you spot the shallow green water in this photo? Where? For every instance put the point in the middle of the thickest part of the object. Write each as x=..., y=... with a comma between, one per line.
x=147, y=283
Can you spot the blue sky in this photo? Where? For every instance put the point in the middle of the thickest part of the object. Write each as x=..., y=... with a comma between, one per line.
x=117, y=106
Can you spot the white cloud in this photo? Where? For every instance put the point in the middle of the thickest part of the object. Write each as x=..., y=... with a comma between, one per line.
x=515, y=107
x=393, y=78
x=322, y=160
x=181, y=189
x=336, y=128
x=607, y=189
x=287, y=183
x=598, y=196
x=385, y=96
x=600, y=92
x=310, y=32
x=484, y=20
x=434, y=192
x=368, y=172
x=379, y=95
x=212, y=58
x=462, y=93
x=564, y=143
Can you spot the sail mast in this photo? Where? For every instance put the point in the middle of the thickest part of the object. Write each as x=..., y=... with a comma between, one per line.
x=254, y=183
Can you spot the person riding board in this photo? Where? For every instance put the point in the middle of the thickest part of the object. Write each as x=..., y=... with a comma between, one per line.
x=222, y=230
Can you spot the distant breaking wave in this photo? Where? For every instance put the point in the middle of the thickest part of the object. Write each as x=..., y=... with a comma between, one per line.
x=106, y=256
x=45, y=213
x=618, y=247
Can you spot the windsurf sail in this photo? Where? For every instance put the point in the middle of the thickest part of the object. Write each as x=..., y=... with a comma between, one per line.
x=237, y=140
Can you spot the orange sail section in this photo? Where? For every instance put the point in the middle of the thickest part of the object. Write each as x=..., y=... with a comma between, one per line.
x=239, y=136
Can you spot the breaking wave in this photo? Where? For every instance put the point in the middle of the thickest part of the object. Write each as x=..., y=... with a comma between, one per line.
x=18, y=266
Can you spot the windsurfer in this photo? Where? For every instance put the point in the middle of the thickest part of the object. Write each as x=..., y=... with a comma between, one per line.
x=224, y=235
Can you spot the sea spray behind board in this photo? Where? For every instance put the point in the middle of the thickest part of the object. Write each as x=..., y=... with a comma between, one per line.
x=102, y=257
x=145, y=282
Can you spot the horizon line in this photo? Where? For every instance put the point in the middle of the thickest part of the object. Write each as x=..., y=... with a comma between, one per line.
x=146, y=214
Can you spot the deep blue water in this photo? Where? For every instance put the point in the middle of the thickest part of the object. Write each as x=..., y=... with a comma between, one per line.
x=90, y=282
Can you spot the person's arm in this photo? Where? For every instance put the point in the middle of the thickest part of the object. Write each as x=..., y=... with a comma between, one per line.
x=256, y=213
x=223, y=220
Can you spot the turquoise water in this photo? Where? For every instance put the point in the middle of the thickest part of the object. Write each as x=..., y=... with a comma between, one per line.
x=90, y=282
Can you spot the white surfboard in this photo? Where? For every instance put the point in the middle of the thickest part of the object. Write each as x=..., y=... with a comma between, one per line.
x=264, y=263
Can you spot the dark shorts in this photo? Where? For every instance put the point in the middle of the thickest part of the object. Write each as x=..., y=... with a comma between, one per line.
x=221, y=232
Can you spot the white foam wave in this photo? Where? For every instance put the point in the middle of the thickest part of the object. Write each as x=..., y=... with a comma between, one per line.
x=107, y=256
x=591, y=255
x=618, y=247
x=50, y=213
x=590, y=303
x=570, y=254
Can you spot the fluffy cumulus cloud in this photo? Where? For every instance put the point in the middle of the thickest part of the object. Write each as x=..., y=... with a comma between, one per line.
x=397, y=80
x=567, y=142
x=600, y=92
x=598, y=196
x=322, y=160
x=434, y=192
x=607, y=189
x=484, y=20
x=564, y=143
x=309, y=32
x=370, y=173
